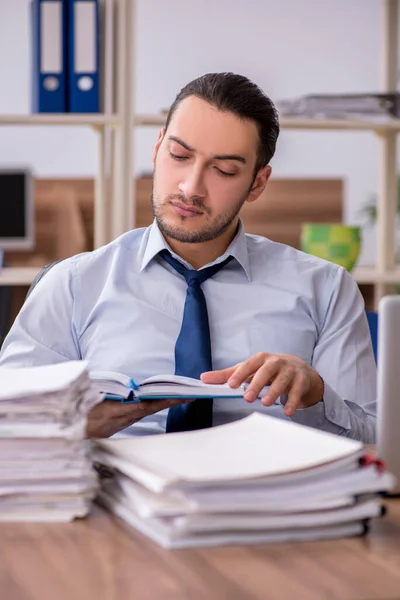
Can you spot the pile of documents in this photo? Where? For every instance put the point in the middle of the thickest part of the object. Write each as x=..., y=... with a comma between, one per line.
x=372, y=106
x=46, y=471
x=260, y=479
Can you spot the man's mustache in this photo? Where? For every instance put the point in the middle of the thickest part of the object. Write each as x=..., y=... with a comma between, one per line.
x=194, y=202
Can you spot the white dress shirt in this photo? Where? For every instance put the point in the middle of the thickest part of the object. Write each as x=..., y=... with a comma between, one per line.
x=120, y=307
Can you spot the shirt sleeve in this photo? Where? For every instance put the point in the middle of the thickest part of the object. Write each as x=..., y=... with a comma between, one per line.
x=44, y=332
x=344, y=358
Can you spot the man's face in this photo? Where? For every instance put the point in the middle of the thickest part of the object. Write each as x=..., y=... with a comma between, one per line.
x=203, y=171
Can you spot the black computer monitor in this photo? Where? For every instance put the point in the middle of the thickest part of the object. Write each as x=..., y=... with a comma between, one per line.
x=16, y=209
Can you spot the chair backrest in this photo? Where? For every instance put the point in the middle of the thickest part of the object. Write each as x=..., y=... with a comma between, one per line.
x=41, y=274
x=372, y=318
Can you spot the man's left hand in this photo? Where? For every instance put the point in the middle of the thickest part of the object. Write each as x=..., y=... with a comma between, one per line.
x=284, y=373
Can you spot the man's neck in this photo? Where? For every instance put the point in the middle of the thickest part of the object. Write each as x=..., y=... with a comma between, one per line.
x=203, y=253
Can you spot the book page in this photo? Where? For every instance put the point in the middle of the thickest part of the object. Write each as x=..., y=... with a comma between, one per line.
x=175, y=379
x=181, y=386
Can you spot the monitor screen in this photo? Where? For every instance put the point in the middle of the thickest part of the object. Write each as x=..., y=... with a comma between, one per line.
x=16, y=210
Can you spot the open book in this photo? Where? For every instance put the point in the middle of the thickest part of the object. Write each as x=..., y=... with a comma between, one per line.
x=116, y=386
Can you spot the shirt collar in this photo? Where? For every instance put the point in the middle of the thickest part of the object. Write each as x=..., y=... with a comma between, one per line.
x=237, y=248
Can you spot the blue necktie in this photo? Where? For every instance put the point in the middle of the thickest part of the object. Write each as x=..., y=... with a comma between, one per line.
x=193, y=346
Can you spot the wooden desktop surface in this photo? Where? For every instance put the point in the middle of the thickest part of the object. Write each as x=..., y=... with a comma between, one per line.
x=102, y=558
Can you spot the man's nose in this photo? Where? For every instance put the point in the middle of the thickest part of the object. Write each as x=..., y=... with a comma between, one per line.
x=192, y=184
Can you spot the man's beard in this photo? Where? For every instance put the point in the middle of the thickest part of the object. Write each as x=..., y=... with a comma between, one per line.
x=209, y=231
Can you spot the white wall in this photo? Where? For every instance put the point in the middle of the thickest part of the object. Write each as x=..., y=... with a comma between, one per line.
x=289, y=47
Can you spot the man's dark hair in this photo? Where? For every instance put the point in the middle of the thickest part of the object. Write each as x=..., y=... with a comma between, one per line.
x=229, y=92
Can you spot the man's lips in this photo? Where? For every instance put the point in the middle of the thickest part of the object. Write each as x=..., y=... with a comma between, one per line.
x=184, y=210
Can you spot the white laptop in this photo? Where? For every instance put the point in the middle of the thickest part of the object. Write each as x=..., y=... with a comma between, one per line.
x=388, y=400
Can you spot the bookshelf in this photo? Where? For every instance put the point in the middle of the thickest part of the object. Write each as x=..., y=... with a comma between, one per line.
x=18, y=275
x=114, y=182
x=113, y=214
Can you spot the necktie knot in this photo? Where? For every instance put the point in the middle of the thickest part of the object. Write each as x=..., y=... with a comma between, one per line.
x=192, y=276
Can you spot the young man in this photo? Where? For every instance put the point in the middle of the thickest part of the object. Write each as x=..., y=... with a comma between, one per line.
x=291, y=325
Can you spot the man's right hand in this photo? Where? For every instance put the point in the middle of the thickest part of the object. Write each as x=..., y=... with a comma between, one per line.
x=108, y=417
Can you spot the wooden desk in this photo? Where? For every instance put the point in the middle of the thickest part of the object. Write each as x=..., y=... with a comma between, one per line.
x=102, y=558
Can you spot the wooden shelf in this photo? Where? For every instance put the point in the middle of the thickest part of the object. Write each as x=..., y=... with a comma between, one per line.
x=366, y=275
x=59, y=119
x=158, y=120
x=372, y=276
x=18, y=275
x=340, y=124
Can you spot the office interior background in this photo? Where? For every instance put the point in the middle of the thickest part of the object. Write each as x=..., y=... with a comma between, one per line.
x=289, y=48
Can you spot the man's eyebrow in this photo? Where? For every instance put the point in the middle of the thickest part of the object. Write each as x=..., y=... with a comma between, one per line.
x=180, y=142
x=236, y=157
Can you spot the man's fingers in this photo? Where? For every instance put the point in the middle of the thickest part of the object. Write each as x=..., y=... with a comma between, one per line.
x=284, y=374
x=237, y=374
x=263, y=377
x=266, y=375
x=221, y=376
x=295, y=395
x=150, y=407
x=280, y=385
x=108, y=417
x=245, y=370
x=115, y=409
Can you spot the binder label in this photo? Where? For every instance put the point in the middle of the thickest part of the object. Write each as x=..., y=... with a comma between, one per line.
x=85, y=37
x=51, y=37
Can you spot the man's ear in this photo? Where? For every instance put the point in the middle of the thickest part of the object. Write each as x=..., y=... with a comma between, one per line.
x=259, y=183
x=158, y=144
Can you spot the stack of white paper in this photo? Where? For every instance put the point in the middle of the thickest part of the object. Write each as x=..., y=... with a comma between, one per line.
x=259, y=479
x=372, y=106
x=46, y=471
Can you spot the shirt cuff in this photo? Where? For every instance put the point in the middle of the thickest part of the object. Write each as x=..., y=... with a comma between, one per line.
x=332, y=409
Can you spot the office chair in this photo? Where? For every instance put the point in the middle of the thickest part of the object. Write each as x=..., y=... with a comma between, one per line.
x=41, y=274
x=5, y=311
x=372, y=318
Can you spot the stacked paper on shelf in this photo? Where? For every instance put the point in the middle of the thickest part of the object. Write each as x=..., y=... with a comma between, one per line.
x=260, y=479
x=372, y=106
x=46, y=471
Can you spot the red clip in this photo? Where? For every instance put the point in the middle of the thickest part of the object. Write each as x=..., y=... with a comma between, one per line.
x=369, y=459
